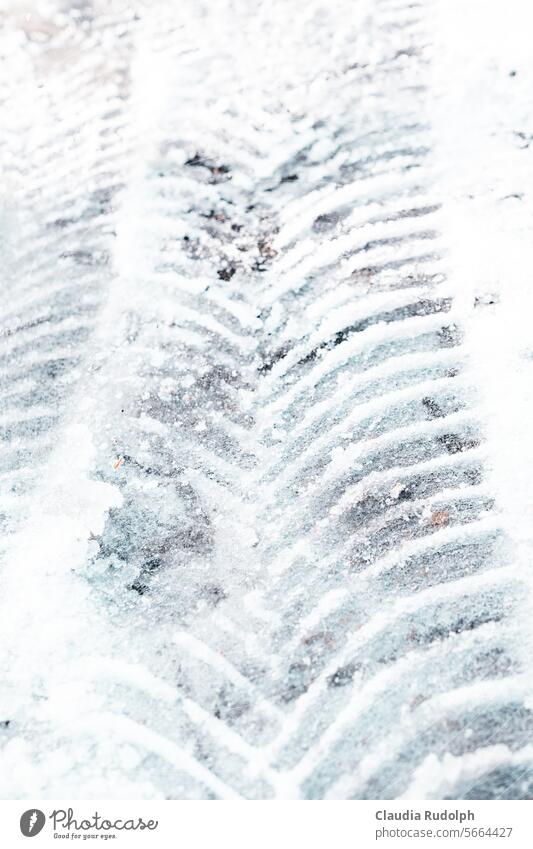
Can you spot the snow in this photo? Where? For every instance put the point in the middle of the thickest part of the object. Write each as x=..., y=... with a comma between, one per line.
x=485, y=167
x=266, y=395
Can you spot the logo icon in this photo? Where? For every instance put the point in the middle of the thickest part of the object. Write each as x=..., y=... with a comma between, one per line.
x=32, y=822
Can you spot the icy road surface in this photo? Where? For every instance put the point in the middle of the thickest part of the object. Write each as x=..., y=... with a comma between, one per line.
x=266, y=399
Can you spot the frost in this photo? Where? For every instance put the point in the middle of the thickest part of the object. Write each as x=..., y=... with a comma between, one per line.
x=265, y=401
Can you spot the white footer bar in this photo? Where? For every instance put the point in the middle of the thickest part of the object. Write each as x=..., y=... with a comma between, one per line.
x=266, y=825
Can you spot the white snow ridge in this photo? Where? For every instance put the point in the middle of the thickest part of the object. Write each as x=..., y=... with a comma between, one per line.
x=266, y=384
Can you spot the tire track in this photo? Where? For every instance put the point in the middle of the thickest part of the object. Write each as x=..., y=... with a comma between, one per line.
x=240, y=410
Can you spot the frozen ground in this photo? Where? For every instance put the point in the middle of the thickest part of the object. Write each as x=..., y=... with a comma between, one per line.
x=266, y=399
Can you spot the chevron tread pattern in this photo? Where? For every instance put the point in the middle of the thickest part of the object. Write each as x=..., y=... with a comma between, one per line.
x=226, y=319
